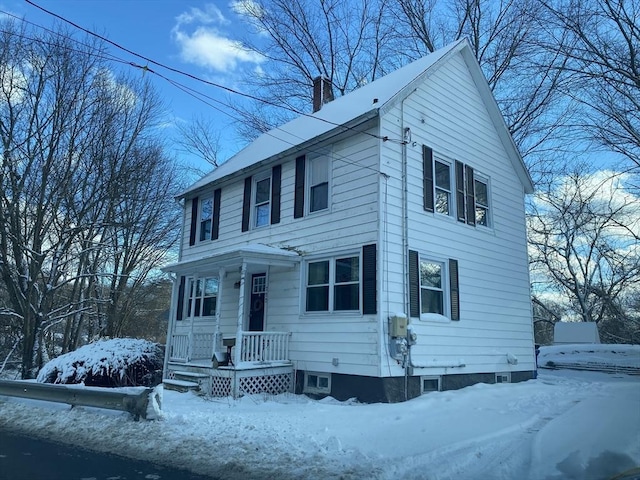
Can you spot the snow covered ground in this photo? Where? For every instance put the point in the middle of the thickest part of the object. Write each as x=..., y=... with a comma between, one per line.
x=564, y=425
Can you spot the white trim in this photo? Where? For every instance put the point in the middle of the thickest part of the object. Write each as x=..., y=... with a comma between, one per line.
x=438, y=379
x=316, y=389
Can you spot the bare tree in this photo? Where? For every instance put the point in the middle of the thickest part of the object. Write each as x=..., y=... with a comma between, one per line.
x=349, y=43
x=602, y=47
x=200, y=137
x=70, y=131
x=583, y=237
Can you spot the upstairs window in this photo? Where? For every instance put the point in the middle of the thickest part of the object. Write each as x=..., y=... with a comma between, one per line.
x=203, y=296
x=206, y=218
x=262, y=199
x=482, y=202
x=442, y=187
x=318, y=184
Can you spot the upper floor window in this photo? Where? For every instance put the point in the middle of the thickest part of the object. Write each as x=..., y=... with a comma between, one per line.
x=333, y=285
x=262, y=201
x=442, y=187
x=206, y=218
x=482, y=202
x=318, y=184
x=203, y=296
x=454, y=191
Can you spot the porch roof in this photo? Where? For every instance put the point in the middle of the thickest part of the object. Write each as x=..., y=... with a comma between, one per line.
x=252, y=254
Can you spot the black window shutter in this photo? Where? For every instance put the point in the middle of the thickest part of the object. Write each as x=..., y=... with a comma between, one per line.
x=414, y=284
x=460, y=208
x=455, y=290
x=427, y=173
x=180, y=306
x=471, y=199
x=246, y=204
x=194, y=221
x=216, y=214
x=298, y=202
x=369, y=279
x=276, y=176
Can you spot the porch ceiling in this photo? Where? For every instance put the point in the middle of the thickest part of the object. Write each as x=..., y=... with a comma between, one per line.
x=251, y=254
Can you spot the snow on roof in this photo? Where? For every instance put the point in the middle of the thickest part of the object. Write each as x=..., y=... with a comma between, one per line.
x=369, y=98
x=256, y=251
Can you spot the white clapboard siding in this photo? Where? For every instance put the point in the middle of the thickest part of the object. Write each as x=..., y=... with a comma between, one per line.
x=447, y=114
x=351, y=222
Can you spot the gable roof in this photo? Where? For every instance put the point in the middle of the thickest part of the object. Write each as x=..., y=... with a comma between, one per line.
x=359, y=106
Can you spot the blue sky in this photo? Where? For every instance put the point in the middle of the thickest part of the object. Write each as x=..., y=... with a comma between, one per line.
x=195, y=37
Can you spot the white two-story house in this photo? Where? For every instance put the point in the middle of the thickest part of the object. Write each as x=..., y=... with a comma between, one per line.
x=373, y=249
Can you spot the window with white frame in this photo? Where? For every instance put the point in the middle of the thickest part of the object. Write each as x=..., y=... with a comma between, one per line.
x=432, y=287
x=333, y=285
x=206, y=218
x=317, y=382
x=482, y=202
x=203, y=296
x=262, y=201
x=442, y=187
x=318, y=184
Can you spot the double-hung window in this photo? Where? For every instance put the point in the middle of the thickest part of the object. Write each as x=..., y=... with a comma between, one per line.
x=432, y=292
x=203, y=296
x=482, y=202
x=262, y=201
x=318, y=184
x=442, y=187
x=206, y=218
x=333, y=285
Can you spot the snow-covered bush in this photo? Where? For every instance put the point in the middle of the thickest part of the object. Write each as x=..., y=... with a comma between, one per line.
x=120, y=362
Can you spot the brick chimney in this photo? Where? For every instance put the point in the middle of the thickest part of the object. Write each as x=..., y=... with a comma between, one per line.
x=322, y=92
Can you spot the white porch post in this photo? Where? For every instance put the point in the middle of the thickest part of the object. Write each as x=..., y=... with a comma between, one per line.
x=172, y=324
x=243, y=274
x=218, y=338
x=192, y=312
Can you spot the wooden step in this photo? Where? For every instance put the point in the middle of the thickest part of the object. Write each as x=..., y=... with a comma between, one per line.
x=190, y=374
x=181, y=385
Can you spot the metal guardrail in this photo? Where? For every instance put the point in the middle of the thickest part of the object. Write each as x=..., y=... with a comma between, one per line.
x=137, y=403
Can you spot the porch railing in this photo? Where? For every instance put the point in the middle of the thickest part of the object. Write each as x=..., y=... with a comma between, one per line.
x=180, y=347
x=254, y=346
x=264, y=347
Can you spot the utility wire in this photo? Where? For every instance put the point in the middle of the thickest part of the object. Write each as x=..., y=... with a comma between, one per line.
x=187, y=90
x=198, y=79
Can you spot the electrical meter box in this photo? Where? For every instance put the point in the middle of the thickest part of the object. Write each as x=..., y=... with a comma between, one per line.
x=398, y=326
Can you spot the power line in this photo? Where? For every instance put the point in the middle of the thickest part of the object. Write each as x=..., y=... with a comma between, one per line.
x=187, y=90
x=207, y=82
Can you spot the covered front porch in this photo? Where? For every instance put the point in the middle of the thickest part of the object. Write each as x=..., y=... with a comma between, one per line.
x=222, y=331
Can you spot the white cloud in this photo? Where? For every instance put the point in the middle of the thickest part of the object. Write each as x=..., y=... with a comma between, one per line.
x=207, y=48
x=210, y=14
x=203, y=41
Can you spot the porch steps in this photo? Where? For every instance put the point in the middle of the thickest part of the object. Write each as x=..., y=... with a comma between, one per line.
x=180, y=385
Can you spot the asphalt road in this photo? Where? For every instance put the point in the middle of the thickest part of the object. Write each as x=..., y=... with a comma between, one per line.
x=27, y=458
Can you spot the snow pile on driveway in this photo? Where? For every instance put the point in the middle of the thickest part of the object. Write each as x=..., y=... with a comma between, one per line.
x=119, y=362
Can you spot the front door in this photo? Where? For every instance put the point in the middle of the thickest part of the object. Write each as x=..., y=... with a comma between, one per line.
x=258, y=292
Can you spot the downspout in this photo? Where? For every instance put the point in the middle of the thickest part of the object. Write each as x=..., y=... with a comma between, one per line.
x=406, y=136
